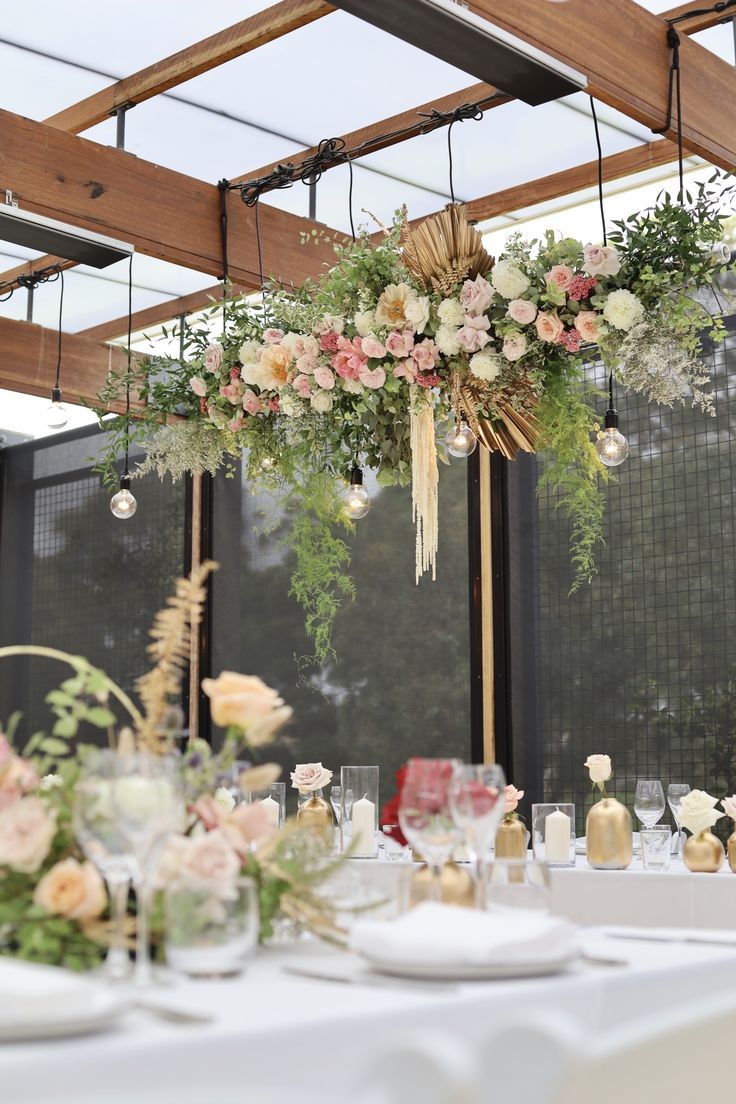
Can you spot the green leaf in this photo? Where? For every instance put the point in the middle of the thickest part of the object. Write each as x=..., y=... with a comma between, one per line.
x=100, y=717
x=65, y=726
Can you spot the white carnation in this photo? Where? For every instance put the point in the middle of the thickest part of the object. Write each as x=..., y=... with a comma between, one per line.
x=485, y=366
x=248, y=351
x=322, y=401
x=365, y=321
x=508, y=280
x=623, y=310
x=416, y=312
x=446, y=340
x=291, y=406
x=451, y=312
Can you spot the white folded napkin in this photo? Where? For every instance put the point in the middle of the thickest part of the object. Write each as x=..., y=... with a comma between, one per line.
x=447, y=935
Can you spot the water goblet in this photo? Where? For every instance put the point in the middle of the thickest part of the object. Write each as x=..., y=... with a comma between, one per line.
x=649, y=802
x=336, y=802
x=675, y=793
x=478, y=803
x=425, y=816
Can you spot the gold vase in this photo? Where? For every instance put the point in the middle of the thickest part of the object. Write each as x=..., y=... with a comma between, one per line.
x=456, y=886
x=608, y=837
x=315, y=812
x=732, y=852
x=511, y=838
x=704, y=853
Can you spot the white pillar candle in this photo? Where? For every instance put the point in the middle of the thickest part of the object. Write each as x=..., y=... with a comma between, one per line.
x=272, y=809
x=363, y=821
x=557, y=837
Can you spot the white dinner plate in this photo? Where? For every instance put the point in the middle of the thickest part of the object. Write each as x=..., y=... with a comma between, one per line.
x=80, y=1011
x=473, y=972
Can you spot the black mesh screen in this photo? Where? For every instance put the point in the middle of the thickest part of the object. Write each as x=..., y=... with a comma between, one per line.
x=74, y=577
x=401, y=685
x=640, y=665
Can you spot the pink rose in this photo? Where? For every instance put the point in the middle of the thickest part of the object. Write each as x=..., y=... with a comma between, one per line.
x=236, y=424
x=560, y=275
x=324, y=377
x=587, y=324
x=373, y=378
x=272, y=336
x=233, y=391
x=400, y=343
x=251, y=402
x=473, y=335
x=522, y=311
x=72, y=889
x=209, y=861
x=17, y=777
x=601, y=260
x=198, y=386
x=245, y=825
x=302, y=386
x=476, y=295
x=213, y=357
x=425, y=355
x=372, y=347
x=407, y=369
x=27, y=830
x=513, y=797
x=349, y=358
x=306, y=364
x=308, y=777
x=549, y=326
x=514, y=346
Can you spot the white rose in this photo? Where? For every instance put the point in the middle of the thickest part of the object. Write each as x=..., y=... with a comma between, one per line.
x=485, y=366
x=599, y=767
x=446, y=340
x=622, y=309
x=251, y=373
x=291, y=406
x=508, y=280
x=451, y=312
x=308, y=777
x=322, y=401
x=248, y=351
x=601, y=260
x=697, y=811
x=224, y=799
x=364, y=322
x=522, y=311
x=728, y=803
x=417, y=313
x=514, y=346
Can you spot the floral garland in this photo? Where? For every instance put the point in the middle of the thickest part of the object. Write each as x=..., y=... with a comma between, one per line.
x=356, y=369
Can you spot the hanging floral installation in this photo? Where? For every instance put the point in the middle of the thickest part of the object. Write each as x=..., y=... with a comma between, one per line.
x=423, y=330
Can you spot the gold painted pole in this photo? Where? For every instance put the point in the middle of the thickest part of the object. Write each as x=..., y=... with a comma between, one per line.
x=195, y=640
x=486, y=599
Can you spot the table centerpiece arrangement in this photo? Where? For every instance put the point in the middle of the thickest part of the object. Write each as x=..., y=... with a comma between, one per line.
x=609, y=842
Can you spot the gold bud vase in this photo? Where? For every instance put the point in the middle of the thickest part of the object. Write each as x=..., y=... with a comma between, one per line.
x=456, y=886
x=315, y=812
x=609, y=841
x=704, y=853
x=732, y=852
x=511, y=838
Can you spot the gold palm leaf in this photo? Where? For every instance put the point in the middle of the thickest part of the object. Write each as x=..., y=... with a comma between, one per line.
x=444, y=249
x=511, y=428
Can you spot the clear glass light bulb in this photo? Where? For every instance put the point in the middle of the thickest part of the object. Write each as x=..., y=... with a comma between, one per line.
x=123, y=504
x=612, y=447
x=57, y=414
x=268, y=463
x=461, y=441
x=357, y=501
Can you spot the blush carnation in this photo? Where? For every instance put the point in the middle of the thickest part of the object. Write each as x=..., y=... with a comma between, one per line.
x=581, y=287
x=570, y=339
x=328, y=341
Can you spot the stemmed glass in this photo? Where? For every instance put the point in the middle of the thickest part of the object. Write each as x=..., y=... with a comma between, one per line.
x=478, y=802
x=649, y=802
x=675, y=793
x=148, y=805
x=425, y=817
x=98, y=834
x=337, y=803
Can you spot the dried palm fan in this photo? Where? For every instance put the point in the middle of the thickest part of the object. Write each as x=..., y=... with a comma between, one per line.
x=511, y=428
x=444, y=249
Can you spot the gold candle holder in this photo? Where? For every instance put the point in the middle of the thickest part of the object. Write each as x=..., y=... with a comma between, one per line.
x=732, y=852
x=704, y=853
x=608, y=836
x=456, y=886
x=511, y=838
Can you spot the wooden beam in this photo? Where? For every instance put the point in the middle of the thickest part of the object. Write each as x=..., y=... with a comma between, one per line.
x=258, y=29
x=163, y=213
x=649, y=156
x=695, y=23
x=28, y=361
x=408, y=122
x=624, y=54
x=161, y=312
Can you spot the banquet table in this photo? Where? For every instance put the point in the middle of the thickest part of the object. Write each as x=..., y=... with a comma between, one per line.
x=272, y=1030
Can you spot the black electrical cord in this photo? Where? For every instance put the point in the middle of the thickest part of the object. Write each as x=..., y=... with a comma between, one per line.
x=350, y=198
x=723, y=6
x=674, y=91
x=600, y=169
x=57, y=385
x=126, y=473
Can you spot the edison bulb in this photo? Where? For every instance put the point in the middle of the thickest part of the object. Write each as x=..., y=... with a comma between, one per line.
x=123, y=504
x=357, y=501
x=461, y=441
x=57, y=414
x=612, y=447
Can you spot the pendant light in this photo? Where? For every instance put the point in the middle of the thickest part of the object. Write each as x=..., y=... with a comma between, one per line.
x=355, y=498
x=123, y=503
x=57, y=414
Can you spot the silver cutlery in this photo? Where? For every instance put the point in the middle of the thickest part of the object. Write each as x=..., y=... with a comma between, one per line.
x=702, y=940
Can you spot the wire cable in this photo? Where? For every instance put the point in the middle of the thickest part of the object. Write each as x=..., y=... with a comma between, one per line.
x=61, y=315
x=600, y=169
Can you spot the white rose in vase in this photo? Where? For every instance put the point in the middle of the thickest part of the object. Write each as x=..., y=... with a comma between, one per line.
x=697, y=811
x=308, y=777
x=599, y=768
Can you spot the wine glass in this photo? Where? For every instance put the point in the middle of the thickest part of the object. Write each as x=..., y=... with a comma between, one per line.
x=148, y=804
x=336, y=802
x=478, y=802
x=98, y=834
x=425, y=817
x=649, y=802
x=675, y=793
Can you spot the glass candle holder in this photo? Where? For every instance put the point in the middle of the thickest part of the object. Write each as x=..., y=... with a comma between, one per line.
x=553, y=834
x=273, y=799
x=211, y=933
x=359, y=823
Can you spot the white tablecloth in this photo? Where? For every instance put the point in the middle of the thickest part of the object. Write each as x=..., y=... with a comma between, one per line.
x=275, y=1030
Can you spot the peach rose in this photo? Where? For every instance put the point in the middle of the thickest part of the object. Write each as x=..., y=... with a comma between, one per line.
x=560, y=275
x=372, y=378
x=302, y=386
x=473, y=336
x=244, y=701
x=549, y=326
x=72, y=889
x=307, y=364
x=587, y=323
x=512, y=797
x=275, y=360
x=198, y=386
x=325, y=377
x=246, y=825
x=522, y=311
x=251, y=402
x=27, y=830
x=372, y=347
x=209, y=861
